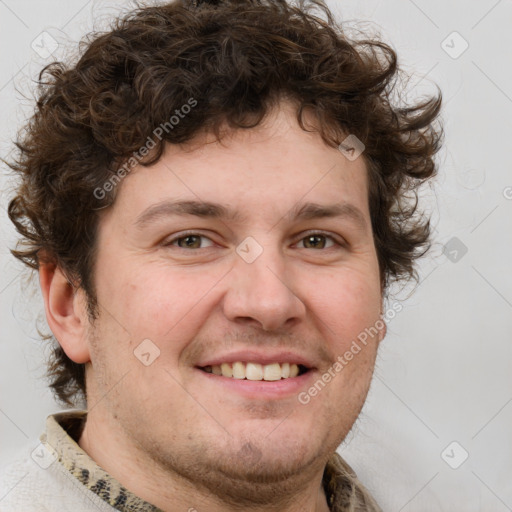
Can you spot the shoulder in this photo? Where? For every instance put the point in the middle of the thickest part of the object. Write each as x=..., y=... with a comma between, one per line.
x=20, y=483
x=345, y=490
x=36, y=482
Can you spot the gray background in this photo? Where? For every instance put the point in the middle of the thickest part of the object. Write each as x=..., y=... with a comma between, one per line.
x=444, y=370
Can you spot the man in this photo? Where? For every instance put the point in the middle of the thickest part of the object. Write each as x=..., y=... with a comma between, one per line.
x=214, y=196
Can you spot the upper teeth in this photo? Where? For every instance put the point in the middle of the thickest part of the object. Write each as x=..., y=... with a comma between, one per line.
x=255, y=371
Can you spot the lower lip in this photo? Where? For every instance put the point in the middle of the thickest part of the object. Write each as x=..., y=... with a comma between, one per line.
x=283, y=388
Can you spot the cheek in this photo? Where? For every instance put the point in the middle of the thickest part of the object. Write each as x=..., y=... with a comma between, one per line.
x=157, y=302
x=346, y=303
x=349, y=311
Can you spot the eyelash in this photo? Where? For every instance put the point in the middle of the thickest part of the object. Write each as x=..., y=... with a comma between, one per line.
x=172, y=241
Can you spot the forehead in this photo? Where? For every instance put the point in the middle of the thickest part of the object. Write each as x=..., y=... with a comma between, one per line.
x=274, y=169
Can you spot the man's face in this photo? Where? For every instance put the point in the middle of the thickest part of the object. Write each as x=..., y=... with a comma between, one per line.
x=266, y=286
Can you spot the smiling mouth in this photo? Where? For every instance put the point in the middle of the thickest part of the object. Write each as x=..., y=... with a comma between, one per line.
x=255, y=371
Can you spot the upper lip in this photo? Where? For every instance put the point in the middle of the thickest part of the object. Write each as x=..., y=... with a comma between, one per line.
x=251, y=356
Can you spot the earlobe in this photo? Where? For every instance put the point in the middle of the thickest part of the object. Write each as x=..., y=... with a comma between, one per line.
x=66, y=312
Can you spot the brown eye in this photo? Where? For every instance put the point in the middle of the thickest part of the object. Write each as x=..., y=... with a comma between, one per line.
x=192, y=241
x=189, y=242
x=316, y=241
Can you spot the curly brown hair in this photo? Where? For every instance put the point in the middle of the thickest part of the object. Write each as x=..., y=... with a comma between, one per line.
x=236, y=59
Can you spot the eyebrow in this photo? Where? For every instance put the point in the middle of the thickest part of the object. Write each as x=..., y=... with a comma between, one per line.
x=308, y=211
x=182, y=208
x=302, y=211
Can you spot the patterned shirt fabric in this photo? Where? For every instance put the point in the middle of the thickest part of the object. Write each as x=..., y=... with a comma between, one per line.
x=343, y=490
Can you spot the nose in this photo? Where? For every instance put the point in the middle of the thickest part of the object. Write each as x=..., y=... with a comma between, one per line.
x=262, y=293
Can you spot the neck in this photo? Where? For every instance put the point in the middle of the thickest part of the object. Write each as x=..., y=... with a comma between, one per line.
x=170, y=489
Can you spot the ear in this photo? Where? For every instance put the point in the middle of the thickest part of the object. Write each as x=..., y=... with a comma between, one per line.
x=66, y=312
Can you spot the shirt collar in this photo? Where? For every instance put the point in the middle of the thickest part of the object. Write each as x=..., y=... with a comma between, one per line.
x=343, y=490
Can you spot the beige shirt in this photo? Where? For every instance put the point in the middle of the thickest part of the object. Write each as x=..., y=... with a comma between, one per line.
x=58, y=473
